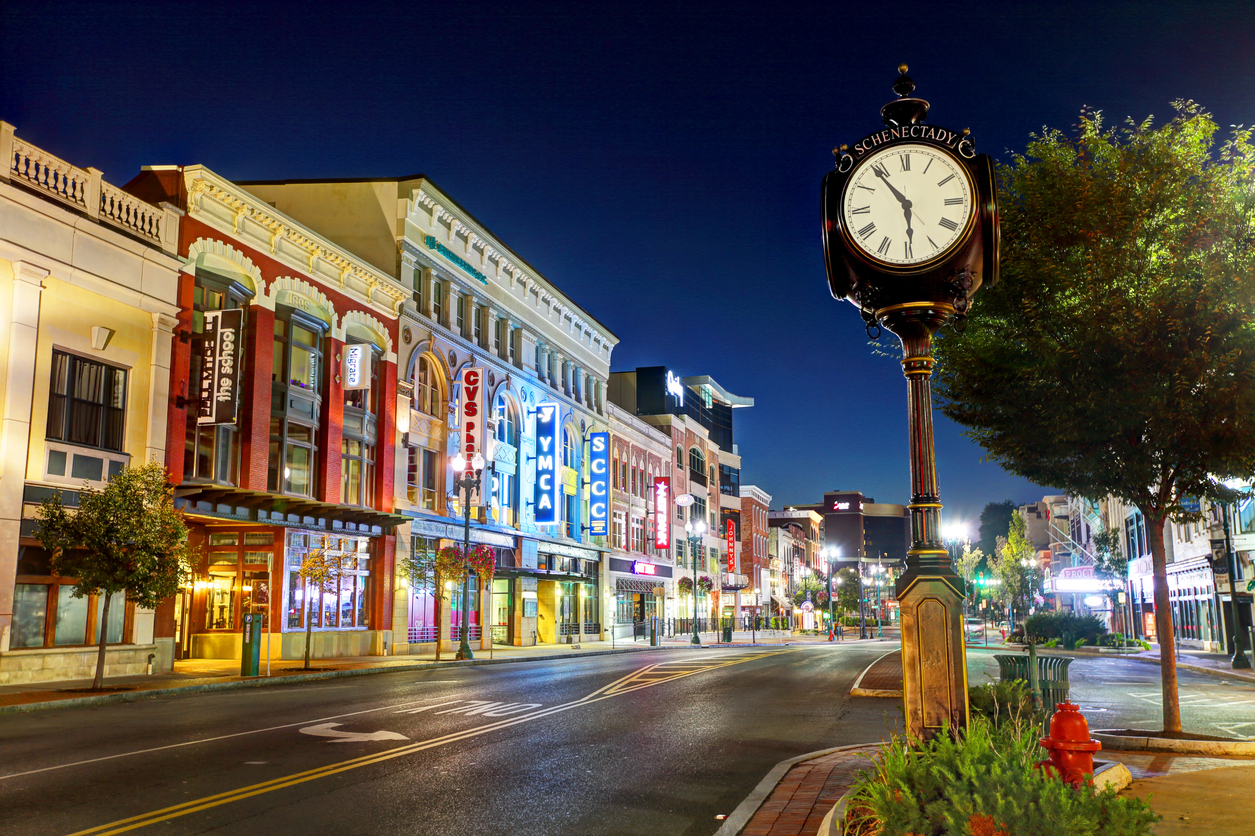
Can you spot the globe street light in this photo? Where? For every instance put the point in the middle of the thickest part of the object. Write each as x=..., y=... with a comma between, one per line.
x=468, y=482
x=695, y=531
x=829, y=554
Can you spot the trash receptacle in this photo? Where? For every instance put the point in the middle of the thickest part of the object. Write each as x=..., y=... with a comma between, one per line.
x=1012, y=667
x=1052, y=680
x=727, y=633
x=250, y=657
x=653, y=631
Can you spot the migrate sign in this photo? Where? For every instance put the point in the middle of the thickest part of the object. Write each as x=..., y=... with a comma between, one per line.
x=598, y=484
x=662, y=512
x=355, y=370
x=219, y=373
x=546, y=495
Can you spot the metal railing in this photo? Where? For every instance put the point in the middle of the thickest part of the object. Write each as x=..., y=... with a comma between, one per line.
x=420, y=635
x=455, y=632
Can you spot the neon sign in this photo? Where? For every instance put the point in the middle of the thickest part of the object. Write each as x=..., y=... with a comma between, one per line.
x=547, y=483
x=640, y=567
x=598, y=483
x=674, y=387
x=662, y=512
x=731, y=537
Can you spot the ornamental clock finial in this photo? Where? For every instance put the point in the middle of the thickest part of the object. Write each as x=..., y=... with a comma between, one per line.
x=906, y=110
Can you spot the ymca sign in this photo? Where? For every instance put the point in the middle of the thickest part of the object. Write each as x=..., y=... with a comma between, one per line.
x=599, y=484
x=547, y=482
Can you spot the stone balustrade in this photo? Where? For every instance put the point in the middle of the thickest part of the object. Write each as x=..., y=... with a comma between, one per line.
x=84, y=190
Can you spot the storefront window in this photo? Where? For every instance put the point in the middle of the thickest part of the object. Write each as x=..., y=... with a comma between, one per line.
x=46, y=613
x=30, y=615
x=212, y=452
x=295, y=403
x=220, y=597
x=343, y=602
x=71, y=618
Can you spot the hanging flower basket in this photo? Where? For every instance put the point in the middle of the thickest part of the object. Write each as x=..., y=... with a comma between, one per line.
x=450, y=564
x=483, y=559
x=705, y=584
x=685, y=586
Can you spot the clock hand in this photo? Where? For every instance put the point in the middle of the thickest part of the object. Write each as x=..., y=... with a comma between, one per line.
x=906, y=204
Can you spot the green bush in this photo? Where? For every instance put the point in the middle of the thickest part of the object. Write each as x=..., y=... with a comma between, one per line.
x=1055, y=624
x=1145, y=644
x=983, y=781
x=1050, y=643
x=1079, y=644
x=1005, y=702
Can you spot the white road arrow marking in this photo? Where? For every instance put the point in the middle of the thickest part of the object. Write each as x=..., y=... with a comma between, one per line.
x=328, y=730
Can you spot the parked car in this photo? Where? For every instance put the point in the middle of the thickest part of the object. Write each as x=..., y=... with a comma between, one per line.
x=974, y=627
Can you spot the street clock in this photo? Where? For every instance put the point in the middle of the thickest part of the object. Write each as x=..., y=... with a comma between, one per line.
x=910, y=214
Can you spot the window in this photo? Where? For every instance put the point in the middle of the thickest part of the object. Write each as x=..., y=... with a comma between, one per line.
x=477, y=324
x=461, y=318
x=614, y=472
x=497, y=341
x=618, y=531
x=46, y=613
x=697, y=466
x=340, y=604
x=296, y=402
x=428, y=393
x=679, y=456
x=421, y=474
x=211, y=453
x=437, y=300
x=570, y=450
x=638, y=534
x=357, y=446
x=505, y=478
x=86, y=402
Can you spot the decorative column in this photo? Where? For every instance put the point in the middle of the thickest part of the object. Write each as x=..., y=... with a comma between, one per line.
x=159, y=386
x=19, y=397
x=930, y=592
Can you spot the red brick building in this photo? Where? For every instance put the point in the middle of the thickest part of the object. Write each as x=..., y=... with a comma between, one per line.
x=282, y=426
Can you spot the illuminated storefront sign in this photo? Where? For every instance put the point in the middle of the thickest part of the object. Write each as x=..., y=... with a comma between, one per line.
x=547, y=482
x=675, y=388
x=355, y=370
x=220, y=347
x=640, y=567
x=599, y=484
x=731, y=537
x=662, y=512
x=1078, y=579
x=471, y=420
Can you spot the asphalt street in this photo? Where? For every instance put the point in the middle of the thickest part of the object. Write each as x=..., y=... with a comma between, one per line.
x=644, y=743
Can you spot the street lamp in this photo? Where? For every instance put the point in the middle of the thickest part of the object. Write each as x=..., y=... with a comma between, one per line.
x=830, y=554
x=694, y=529
x=1239, y=660
x=754, y=620
x=468, y=482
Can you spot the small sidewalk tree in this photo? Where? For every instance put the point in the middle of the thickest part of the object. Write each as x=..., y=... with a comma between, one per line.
x=127, y=537
x=321, y=567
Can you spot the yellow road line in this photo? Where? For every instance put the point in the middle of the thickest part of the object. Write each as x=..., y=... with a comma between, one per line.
x=623, y=685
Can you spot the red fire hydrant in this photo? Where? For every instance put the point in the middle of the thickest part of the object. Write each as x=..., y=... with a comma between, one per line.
x=1070, y=746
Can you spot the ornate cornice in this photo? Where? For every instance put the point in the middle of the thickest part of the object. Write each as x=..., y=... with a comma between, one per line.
x=355, y=277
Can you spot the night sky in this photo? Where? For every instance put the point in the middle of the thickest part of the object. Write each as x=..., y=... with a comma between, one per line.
x=659, y=163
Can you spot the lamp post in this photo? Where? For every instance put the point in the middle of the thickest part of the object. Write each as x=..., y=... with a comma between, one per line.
x=830, y=555
x=754, y=620
x=695, y=531
x=1239, y=660
x=467, y=482
x=862, y=610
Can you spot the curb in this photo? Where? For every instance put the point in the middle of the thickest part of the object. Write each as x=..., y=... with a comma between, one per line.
x=856, y=691
x=1150, y=743
x=745, y=811
x=290, y=679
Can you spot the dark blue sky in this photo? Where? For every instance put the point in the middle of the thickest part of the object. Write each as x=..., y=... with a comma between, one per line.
x=659, y=162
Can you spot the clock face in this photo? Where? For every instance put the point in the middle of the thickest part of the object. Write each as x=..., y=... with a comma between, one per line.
x=907, y=205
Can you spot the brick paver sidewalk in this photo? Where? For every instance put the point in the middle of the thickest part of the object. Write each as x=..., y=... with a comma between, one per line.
x=882, y=678
x=808, y=791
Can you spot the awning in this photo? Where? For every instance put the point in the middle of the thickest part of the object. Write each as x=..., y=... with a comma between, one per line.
x=242, y=505
x=636, y=585
x=788, y=605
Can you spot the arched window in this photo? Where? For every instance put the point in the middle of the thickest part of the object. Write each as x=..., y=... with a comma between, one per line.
x=504, y=472
x=428, y=391
x=697, y=462
x=570, y=450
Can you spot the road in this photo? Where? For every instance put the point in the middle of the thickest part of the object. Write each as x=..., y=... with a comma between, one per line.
x=643, y=743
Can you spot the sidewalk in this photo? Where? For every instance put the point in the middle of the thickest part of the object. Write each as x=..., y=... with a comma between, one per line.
x=193, y=675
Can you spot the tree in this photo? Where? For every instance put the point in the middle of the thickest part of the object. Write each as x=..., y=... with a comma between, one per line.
x=125, y=538
x=1124, y=325
x=321, y=568
x=1111, y=564
x=994, y=520
x=847, y=589
x=971, y=560
x=1016, y=567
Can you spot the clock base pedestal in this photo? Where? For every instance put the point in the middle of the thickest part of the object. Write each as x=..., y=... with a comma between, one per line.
x=934, y=659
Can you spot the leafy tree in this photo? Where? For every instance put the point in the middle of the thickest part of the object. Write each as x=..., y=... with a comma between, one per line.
x=321, y=569
x=1111, y=564
x=847, y=589
x=1124, y=324
x=805, y=586
x=994, y=520
x=968, y=563
x=1017, y=580
x=127, y=537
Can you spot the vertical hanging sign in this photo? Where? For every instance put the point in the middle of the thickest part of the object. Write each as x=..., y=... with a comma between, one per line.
x=547, y=482
x=731, y=537
x=219, y=372
x=355, y=369
x=662, y=512
x=471, y=421
x=599, y=484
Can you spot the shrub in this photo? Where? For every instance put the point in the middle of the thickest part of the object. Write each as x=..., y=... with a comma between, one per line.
x=1079, y=644
x=1055, y=624
x=1145, y=644
x=1050, y=643
x=1002, y=702
x=982, y=781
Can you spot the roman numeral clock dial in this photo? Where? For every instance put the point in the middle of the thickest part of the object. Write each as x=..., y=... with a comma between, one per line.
x=907, y=205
